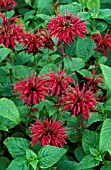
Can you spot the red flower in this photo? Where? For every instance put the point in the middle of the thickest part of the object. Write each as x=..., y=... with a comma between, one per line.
x=10, y=32
x=32, y=42
x=93, y=82
x=48, y=133
x=58, y=84
x=80, y=102
x=65, y=28
x=6, y=5
x=103, y=43
x=47, y=41
x=32, y=89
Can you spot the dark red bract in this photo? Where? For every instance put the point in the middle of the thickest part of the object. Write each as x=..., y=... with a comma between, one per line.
x=32, y=42
x=10, y=33
x=103, y=43
x=79, y=102
x=58, y=84
x=65, y=28
x=47, y=41
x=6, y=5
x=32, y=90
x=92, y=82
x=48, y=133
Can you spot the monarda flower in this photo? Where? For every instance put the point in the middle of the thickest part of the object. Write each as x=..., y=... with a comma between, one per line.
x=6, y=5
x=47, y=41
x=10, y=33
x=65, y=28
x=103, y=43
x=32, y=90
x=32, y=42
x=79, y=101
x=48, y=133
x=58, y=84
x=92, y=82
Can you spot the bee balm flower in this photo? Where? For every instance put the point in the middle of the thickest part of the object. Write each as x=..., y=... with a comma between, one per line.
x=48, y=133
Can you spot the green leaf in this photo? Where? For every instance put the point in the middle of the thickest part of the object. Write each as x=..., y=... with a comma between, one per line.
x=84, y=48
x=44, y=5
x=107, y=166
x=73, y=64
x=29, y=15
x=4, y=162
x=104, y=13
x=8, y=111
x=90, y=139
x=105, y=137
x=26, y=71
x=79, y=153
x=88, y=162
x=32, y=158
x=49, y=155
x=3, y=127
x=46, y=69
x=17, y=146
x=3, y=53
x=94, y=117
x=30, y=155
x=93, y=4
x=28, y=2
x=107, y=74
x=69, y=7
x=19, y=164
x=67, y=165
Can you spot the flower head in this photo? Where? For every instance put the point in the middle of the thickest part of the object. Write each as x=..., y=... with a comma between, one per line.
x=93, y=82
x=58, y=84
x=48, y=133
x=6, y=5
x=103, y=43
x=79, y=102
x=10, y=32
x=65, y=28
x=47, y=41
x=32, y=90
x=32, y=42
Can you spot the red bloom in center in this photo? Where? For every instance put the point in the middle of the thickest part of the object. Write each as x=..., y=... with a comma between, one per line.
x=7, y=5
x=10, y=32
x=58, y=84
x=80, y=102
x=32, y=89
x=65, y=28
x=103, y=43
x=48, y=133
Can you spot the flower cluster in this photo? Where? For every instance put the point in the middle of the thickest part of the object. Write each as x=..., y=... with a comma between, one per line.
x=10, y=33
x=103, y=43
x=92, y=82
x=58, y=84
x=79, y=101
x=48, y=133
x=6, y=5
x=32, y=90
x=65, y=28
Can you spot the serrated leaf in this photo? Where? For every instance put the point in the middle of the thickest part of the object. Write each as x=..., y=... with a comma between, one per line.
x=107, y=74
x=19, y=164
x=73, y=64
x=88, y=162
x=49, y=155
x=90, y=139
x=84, y=48
x=46, y=69
x=4, y=162
x=104, y=13
x=8, y=110
x=3, y=127
x=30, y=155
x=105, y=137
x=3, y=53
x=17, y=146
